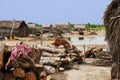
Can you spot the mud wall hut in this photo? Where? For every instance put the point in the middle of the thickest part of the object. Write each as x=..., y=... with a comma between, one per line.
x=18, y=28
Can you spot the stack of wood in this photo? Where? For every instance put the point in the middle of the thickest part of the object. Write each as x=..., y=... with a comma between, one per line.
x=103, y=59
x=93, y=52
x=31, y=67
x=58, y=58
x=28, y=67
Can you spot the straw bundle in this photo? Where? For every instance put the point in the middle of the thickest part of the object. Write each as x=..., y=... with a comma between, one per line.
x=112, y=24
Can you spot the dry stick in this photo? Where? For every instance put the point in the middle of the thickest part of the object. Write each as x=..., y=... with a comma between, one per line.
x=36, y=55
x=8, y=62
x=115, y=17
x=115, y=47
x=114, y=26
x=84, y=52
x=118, y=68
x=111, y=28
x=118, y=62
x=40, y=54
x=41, y=37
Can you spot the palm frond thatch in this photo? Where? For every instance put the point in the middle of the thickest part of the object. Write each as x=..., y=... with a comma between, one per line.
x=112, y=24
x=9, y=23
x=20, y=28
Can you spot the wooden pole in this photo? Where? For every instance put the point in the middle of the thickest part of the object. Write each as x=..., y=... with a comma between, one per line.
x=52, y=50
x=84, y=52
x=41, y=37
x=12, y=27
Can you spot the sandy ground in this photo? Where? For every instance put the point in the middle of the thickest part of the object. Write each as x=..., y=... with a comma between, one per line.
x=89, y=72
x=85, y=71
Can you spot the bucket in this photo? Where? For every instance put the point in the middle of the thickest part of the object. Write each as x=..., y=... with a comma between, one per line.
x=10, y=37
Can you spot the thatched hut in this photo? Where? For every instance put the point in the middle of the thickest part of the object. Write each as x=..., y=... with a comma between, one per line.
x=64, y=26
x=112, y=24
x=47, y=28
x=18, y=28
x=33, y=29
x=79, y=27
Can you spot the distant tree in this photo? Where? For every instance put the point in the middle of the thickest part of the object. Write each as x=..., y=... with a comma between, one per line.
x=30, y=23
x=39, y=26
x=72, y=27
x=94, y=26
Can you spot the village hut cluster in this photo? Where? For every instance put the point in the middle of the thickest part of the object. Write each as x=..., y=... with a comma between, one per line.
x=14, y=27
x=20, y=28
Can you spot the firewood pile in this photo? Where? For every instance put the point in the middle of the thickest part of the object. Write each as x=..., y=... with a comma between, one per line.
x=104, y=59
x=25, y=63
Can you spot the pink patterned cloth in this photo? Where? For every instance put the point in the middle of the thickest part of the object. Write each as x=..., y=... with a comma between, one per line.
x=19, y=49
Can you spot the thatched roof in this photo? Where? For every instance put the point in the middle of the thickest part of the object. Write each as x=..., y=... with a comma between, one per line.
x=32, y=26
x=112, y=12
x=111, y=18
x=112, y=24
x=79, y=26
x=11, y=23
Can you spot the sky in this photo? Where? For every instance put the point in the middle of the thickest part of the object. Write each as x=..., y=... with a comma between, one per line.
x=53, y=11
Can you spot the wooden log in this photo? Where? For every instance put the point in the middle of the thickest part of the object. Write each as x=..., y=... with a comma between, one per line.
x=43, y=74
x=35, y=55
x=1, y=75
x=30, y=76
x=61, y=55
x=38, y=68
x=6, y=60
x=64, y=64
x=50, y=69
x=19, y=72
x=90, y=53
x=25, y=61
x=77, y=60
x=55, y=64
x=9, y=76
x=51, y=50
